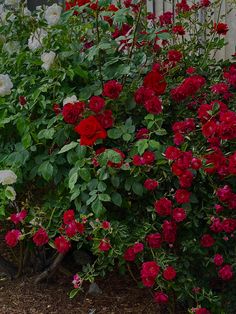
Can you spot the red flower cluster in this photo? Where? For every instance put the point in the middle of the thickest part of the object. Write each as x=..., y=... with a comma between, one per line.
x=132, y=251
x=12, y=237
x=230, y=75
x=146, y=159
x=189, y=87
x=221, y=28
x=72, y=227
x=149, y=273
x=72, y=112
x=90, y=130
x=40, y=237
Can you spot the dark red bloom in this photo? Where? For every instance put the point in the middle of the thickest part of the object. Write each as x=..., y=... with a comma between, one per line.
x=12, y=237
x=56, y=108
x=163, y=206
x=221, y=28
x=22, y=100
x=202, y=310
x=112, y=89
x=90, y=130
x=96, y=104
x=172, y=153
x=68, y=216
x=169, y=231
x=105, y=119
x=62, y=244
x=154, y=240
x=182, y=196
x=104, y=245
x=166, y=18
x=129, y=254
x=149, y=273
x=207, y=240
x=106, y=225
x=71, y=229
x=169, y=273
x=138, y=247
x=143, y=94
x=153, y=105
x=156, y=82
x=218, y=260
x=150, y=184
x=143, y=133
x=72, y=112
x=179, y=214
x=161, y=297
x=174, y=55
x=178, y=29
x=18, y=217
x=40, y=237
x=226, y=272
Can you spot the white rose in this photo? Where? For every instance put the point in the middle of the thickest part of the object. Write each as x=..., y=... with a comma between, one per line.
x=52, y=14
x=48, y=59
x=7, y=177
x=36, y=39
x=5, y=85
x=11, y=47
x=70, y=99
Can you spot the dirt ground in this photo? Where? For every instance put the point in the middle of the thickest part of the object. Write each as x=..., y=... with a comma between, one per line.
x=119, y=295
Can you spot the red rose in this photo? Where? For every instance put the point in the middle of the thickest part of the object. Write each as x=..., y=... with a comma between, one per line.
x=12, y=237
x=18, y=217
x=179, y=214
x=154, y=240
x=96, y=104
x=161, y=297
x=169, y=273
x=174, y=55
x=62, y=244
x=150, y=184
x=143, y=133
x=166, y=18
x=196, y=163
x=156, y=82
x=207, y=240
x=153, y=105
x=182, y=196
x=106, y=225
x=40, y=237
x=68, y=216
x=71, y=112
x=149, y=157
x=149, y=273
x=129, y=254
x=226, y=272
x=221, y=28
x=143, y=94
x=71, y=229
x=104, y=245
x=90, y=130
x=172, y=153
x=56, y=108
x=163, y=207
x=229, y=225
x=218, y=260
x=105, y=119
x=112, y=89
x=178, y=29
x=186, y=179
x=80, y=227
x=169, y=231
x=138, y=247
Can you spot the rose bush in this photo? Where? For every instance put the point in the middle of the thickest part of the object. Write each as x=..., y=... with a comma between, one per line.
x=120, y=126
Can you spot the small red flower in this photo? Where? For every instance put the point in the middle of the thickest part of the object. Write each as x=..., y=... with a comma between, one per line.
x=96, y=104
x=112, y=89
x=221, y=28
x=207, y=240
x=182, y=196
x=163, y=206
x=226, y=272
x=62, y=244
x=106, y=225
x=154, y=240
x=129, y=254
x=218, y=260
x=150, y=184
x=12, y=237
x=40, y=237
x=69, y=216
x=18, y=217
x=104, y=245
x=90, y=130
x=169, y=273
x=161, y=297
x=179, y=214
x=138, y=247
x=22, y=100
x=71, y=112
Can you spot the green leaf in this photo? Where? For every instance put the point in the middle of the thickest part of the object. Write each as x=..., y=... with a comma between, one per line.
x=26, y=140
x=116, y=198
x=84, y=173
x=137, y=188
x=109, y=155
x=46, y=134
x=127, y=137
x=160, y=132
x=97, y=208
x=104, y=197
x=46, y=170
x=73, y=177
x=142, y=146
x=114, y=133
x=73, y=293
x=68, y=147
